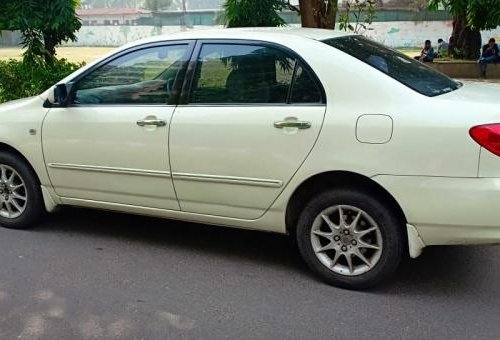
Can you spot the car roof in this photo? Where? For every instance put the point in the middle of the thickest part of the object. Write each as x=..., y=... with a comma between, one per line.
x=252, y=33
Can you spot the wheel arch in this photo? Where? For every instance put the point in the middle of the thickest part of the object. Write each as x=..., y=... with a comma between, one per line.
x=8, y=148
x=332, y=180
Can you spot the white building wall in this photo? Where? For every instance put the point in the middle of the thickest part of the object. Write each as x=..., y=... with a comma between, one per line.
x=394, y=34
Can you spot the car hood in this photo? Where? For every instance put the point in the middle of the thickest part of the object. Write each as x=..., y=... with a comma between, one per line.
x=476, y=92
x=17, y=105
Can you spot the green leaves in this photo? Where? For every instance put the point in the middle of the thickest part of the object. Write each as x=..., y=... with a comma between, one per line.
x=44, y=24
x=357, y=15
x=19, y=79
x=484, y=14
x=254, y=13
x=479, y=14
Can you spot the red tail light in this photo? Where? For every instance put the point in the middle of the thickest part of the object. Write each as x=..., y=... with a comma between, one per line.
x=488, y=136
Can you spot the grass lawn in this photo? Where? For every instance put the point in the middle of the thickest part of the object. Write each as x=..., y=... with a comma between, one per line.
x=88, y=54
x=410, y=51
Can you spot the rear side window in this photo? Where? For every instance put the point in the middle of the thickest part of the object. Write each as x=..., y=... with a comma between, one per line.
x=249, y=74
x=408, y=71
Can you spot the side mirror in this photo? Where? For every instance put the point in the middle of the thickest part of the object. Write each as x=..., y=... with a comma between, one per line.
x=61, y=96
x=51, y=98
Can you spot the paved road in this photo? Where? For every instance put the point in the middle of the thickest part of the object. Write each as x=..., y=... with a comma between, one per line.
x=88, y=274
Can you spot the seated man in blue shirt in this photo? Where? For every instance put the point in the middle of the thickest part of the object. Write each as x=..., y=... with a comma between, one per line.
x=490, y=54
x=442, y=50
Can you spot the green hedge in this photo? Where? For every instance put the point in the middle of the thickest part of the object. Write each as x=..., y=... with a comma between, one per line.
x=19, y=79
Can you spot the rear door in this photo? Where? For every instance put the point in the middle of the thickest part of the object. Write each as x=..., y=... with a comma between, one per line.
x=252, y=114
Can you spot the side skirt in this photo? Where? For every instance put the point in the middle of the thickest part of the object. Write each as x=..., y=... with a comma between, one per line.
x=264, y=224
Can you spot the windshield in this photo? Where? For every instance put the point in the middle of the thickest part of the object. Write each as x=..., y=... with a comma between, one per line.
x=408, y=71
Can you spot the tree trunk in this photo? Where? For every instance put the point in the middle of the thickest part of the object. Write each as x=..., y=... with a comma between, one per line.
x=465, y=42
x=50, y=44
x=183, y=18
x=318, y=13
x=307, y=13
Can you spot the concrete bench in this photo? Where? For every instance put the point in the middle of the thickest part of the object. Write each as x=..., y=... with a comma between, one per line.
x=465, y=69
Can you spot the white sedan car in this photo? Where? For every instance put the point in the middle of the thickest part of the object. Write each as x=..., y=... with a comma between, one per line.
x=362, y=154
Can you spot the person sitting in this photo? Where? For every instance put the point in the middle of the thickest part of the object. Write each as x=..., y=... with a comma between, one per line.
x=442, y=50
x=490, y=54
x=427, y=54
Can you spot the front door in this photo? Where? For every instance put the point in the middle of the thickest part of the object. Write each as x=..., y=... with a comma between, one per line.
x=111, y=143
x=254, y=114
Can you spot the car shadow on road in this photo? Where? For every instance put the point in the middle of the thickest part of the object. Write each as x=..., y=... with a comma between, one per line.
x=269, y=248
x=440, y=270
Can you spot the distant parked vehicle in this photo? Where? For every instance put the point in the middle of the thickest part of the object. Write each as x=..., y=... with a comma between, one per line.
x=359, y=152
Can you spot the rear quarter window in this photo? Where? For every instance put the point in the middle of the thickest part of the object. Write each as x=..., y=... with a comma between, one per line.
x=398, y=66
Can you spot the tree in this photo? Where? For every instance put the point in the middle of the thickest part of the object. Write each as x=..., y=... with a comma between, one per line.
x=44, y=24
x=419, y=5
x=184, y=22
x=155, y=6
x=317, y=13
x=253, y=13
x=313, y=13
x=469, y=18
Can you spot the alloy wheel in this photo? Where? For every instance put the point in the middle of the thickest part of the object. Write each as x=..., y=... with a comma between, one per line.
x=13, y=193
x=347, y=240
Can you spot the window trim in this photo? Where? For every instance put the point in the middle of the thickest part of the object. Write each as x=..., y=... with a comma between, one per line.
x=292, y=84
x=179, y=80
x=187, y=87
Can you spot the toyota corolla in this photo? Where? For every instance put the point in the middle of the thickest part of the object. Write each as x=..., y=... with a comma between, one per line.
x=361, y=154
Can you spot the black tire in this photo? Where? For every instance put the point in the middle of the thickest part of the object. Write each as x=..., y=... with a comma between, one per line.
x=391, y=231
x=34, y=210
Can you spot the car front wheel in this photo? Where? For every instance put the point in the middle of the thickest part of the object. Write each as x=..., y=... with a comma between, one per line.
x=350, y=239
x=21, y=202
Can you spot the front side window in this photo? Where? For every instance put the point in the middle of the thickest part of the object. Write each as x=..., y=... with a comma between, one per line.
x=145, y=76
x=242, y=74
x=410, y=72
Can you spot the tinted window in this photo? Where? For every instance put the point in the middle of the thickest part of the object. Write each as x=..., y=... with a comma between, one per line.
x=305, y=89
x=242, y=74
x=146, y=76
x=410, y=72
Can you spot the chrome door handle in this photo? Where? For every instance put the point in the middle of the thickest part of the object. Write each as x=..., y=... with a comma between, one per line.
x=292, y=124
x=151, y=122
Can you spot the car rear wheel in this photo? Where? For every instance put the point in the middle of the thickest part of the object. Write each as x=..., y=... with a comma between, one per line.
x=21, y=202
x=350, y=239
